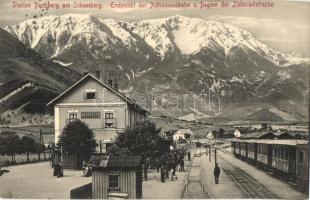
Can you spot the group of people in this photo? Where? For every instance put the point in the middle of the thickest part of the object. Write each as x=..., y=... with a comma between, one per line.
x=168, y=164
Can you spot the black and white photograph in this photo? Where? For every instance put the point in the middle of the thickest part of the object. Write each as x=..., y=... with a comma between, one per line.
x=163, y=99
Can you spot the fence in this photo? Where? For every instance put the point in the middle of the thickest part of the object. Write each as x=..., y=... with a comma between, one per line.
x=6, y=160
x=69, y=161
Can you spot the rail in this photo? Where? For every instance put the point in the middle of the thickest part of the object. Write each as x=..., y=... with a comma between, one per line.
x=248, y=185
x=194, y=188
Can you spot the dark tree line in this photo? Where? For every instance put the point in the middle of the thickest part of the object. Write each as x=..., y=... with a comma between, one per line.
x=143, y=138
x=11, y=144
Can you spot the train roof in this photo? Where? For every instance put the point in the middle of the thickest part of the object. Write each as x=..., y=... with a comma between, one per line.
x=275, y=141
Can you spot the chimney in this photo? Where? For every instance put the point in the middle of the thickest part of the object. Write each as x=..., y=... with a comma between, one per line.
x=97, y=74
x=110, y=83
x=116, y=85
x=85, y=71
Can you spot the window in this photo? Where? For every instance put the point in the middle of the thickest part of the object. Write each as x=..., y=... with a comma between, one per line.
x=282, y=152
x=91, y=115
x=90, y=95
x=274, y=152
x=109, y=115
x=72, y=117
x=300, y=156
x=286, y=153
x=113, y=181
x=109, y=120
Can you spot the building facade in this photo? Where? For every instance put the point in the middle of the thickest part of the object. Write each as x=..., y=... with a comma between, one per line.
x=106, y=111
x=117, y=177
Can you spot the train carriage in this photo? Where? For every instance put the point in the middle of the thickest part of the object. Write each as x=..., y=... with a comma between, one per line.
x=243, y=150
x=286, y=156
x=233, y=146
x=252, y=152
x=262, y=153
x=283, y=158
x=302, y=166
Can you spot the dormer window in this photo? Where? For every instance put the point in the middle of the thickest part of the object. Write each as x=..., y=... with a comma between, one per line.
x=90, y=94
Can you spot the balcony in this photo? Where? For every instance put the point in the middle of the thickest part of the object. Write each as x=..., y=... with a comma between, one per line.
x=114, y=190
x=70, y=120
x=109, y=123
x=106, y=122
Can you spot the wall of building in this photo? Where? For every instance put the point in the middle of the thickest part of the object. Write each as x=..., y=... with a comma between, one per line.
x=106, y=102
x=97, y=125
x=104, y=95
x=100, y=180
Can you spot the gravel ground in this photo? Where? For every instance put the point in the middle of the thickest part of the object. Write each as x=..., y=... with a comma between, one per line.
x=33, y=181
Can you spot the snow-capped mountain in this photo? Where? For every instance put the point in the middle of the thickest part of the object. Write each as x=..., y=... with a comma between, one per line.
x=189, y=36
x=173, y=55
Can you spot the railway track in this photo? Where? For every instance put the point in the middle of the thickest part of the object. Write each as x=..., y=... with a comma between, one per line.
x=249, y=186
x=194, y=188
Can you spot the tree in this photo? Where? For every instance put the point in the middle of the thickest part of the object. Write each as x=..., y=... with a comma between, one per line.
x=77, y=138
x=221, y=133
x=39, y=148
x=13, y=144
x=264, y=126
x=143, y=138
x=28, y=145
x=169, y=134
x=3, y=146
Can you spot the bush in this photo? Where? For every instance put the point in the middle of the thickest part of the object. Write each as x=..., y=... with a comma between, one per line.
x=143, y=138
x=77, y=138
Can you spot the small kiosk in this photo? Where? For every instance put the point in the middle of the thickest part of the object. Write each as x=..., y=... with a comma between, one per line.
x=117, y=177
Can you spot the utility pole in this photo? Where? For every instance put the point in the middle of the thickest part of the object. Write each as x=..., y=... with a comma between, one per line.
x=209, y=100
x=209, y=152
x=215, y=159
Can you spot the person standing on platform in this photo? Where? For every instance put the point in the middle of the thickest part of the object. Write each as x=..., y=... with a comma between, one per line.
x=145, y=171
x=216, y=172
x=189, y=155
x=182, y=165
x=157, y=164
x=162, y=173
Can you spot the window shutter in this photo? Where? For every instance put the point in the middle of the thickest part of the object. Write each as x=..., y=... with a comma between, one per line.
x=84, y=95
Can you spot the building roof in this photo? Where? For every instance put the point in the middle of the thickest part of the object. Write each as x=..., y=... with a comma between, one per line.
x=185, y=131
x=283, y=135
x=275, y=141
x=119, y=161
x=89, y=75
x=258, y=135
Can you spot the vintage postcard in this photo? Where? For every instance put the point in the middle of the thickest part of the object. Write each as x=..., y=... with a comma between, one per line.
x=163, y=99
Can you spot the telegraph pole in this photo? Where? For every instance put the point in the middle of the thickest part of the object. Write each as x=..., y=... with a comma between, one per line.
x=100, y=145
x=215, y=159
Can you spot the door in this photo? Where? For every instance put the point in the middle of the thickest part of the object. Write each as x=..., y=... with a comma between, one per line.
x=269, y=154
x=255, y=151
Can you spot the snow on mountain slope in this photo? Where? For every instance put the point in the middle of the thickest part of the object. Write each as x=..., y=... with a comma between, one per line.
x=164, y=36
x=119, y=32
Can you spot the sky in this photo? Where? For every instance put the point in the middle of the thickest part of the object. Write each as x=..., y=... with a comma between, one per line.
x=284, y=27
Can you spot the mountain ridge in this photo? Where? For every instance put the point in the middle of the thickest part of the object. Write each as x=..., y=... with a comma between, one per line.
x=174, y=55
x=28, y=80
